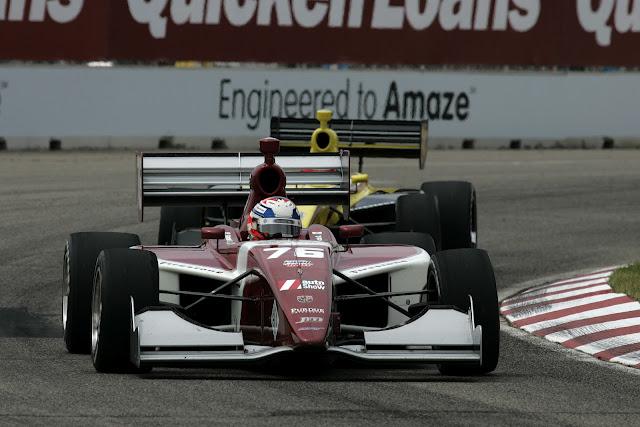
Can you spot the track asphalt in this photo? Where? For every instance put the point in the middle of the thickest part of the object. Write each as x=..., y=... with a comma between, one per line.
x=541, y=213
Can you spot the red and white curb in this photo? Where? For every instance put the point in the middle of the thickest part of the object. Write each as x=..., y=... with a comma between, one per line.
x=581, y=313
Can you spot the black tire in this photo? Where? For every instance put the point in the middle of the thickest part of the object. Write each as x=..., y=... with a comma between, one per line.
x=80, y=254
x=175, y=219
x=419, y=213
x=458, y=212
x=464, y=272
x=421, y=240
x=120, y=274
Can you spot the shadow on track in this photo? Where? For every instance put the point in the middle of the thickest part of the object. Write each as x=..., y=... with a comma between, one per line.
x=317, y=370
x=20, y=323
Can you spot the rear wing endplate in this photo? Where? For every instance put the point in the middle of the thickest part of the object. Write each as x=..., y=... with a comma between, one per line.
x=220, y=179
x=363, y=138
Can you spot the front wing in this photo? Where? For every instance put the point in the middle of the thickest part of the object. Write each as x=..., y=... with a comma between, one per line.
x=162, y=336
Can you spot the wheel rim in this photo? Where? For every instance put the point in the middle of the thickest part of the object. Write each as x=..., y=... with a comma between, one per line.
x=96, y=312
x=433, y=288
x=65, y=286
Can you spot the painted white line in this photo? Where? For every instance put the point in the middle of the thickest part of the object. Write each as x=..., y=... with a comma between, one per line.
x=580, y=279
x=609, y=343
x=608, y=272
x=620, y=308
x=542, y=292
x=549, y=299
x=545, y=309
x=629, y=359
x=568, y=334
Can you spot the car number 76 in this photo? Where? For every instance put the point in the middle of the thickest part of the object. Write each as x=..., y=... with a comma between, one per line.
x=300, y=252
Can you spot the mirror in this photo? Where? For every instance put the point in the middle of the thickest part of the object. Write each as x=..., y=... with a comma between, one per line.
x=351, y=231
x=212, y=233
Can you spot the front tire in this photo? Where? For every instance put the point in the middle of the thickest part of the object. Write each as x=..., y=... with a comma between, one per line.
x=80, y=254
x=464, y=272
x=121, y=274
x=417, y=212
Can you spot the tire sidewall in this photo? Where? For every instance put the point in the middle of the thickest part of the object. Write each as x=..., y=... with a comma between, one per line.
x=121, y=274
x=457, y=206
x=464, y=272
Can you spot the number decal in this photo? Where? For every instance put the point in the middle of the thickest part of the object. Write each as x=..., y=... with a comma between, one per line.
x=277, y=252
x=300, y=252
x=310, y=253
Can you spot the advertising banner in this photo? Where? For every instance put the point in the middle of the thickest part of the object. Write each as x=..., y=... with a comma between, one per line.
x=230, y=102
x=410, y=32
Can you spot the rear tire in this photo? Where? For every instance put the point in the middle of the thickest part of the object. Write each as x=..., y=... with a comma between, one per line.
x=175, y=219
x=80, y=254
x=121, y=274
x=421, y=240
x=419, y=213
x=458, y=213
x=464, y=272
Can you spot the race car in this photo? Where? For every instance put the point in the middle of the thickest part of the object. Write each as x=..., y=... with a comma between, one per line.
x=235, y=299
x=447, y=209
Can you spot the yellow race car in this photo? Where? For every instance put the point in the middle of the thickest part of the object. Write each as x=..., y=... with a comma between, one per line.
x=444, y=210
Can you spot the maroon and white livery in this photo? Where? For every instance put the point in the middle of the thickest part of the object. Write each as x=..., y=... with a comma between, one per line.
x=233, y=299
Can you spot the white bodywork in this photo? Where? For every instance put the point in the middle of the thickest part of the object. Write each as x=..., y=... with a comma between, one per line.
x=440, y=334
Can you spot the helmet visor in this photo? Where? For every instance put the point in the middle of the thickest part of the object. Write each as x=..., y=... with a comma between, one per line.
x=279, y=227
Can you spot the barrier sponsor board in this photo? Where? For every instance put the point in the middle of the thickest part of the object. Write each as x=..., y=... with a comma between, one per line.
x=518, y=32
x=227, y=102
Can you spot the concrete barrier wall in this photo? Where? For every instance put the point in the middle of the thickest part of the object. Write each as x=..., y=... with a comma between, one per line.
x=88, y=106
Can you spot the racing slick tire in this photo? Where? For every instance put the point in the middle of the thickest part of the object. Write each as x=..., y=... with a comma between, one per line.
x=175, y=219
x=419, y=213
x=421, y=240
x=120, y=274
x=464, y=272
x=80, y=254
x=458, y=213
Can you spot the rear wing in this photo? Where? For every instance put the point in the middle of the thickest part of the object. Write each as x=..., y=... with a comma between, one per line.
x=215, y=179
x=363, y=138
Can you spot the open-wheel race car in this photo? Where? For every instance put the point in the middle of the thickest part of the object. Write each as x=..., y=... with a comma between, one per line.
x=233, y=298
x=447, y=209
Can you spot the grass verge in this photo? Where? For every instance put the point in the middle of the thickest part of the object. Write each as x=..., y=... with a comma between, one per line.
x=626, y=280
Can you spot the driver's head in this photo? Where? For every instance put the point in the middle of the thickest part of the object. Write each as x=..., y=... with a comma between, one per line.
x=274, y=218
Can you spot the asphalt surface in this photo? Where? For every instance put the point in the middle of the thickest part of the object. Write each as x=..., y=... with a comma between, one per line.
x=541, y=213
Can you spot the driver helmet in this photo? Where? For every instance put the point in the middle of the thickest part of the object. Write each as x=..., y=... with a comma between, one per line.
x=272, y=218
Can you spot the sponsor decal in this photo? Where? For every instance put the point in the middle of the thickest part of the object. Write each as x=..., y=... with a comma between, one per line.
x=170, y=264
x=310, y=320
x=392, y=101
x=297, y=263
x=60, y=12
x=376, y=266
x=304, y=299
x=307, y=310
x=317, y=235
x=227, y=237
x=157, y=15
x=311, y=328
x=285, y=285
x=604, y=30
